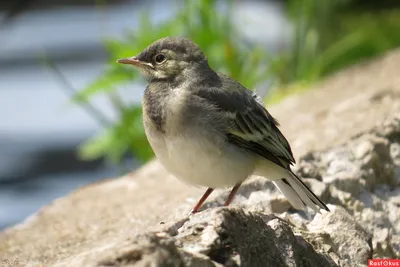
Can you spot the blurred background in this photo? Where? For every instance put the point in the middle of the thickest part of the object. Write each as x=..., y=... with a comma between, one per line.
x=70, y=116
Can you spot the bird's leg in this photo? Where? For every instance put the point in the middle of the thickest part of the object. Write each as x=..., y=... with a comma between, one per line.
x=201, y=201
x=232, y=194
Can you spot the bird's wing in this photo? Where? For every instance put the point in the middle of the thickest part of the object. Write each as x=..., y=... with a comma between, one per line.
x=250, y=125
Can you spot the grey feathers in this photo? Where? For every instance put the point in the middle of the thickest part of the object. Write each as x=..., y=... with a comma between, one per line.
x=154, y=105
x=250, y=124
x=184, y=49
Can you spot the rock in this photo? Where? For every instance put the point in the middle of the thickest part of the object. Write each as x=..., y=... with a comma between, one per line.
x=143, y=250
x=215, y=237
x=395, y=152
x=343, y=235
x=150, y=250
x=364, y=149
x=233, y=237
x=366, y=185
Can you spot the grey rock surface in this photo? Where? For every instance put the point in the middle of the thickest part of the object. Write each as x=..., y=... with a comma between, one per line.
x=234, y=237
x=363, y=177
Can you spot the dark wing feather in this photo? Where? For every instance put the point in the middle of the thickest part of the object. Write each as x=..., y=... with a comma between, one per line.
x=250, y=125
x=256, y=127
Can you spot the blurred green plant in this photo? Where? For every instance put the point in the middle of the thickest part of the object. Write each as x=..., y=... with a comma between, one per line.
x=327, y=35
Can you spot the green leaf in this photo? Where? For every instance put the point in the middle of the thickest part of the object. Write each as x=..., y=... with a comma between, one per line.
x=96, y=146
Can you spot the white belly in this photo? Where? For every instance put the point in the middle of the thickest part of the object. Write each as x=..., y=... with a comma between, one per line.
x=200, y=161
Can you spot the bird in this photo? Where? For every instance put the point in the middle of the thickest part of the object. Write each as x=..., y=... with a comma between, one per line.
x=209, y=130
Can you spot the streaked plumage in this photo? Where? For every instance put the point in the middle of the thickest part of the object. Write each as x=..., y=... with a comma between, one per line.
x=209, y=130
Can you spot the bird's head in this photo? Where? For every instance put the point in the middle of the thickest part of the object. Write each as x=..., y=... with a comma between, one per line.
x=168, y=59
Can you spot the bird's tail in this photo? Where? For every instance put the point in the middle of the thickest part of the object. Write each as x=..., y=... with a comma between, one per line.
x=298, y=194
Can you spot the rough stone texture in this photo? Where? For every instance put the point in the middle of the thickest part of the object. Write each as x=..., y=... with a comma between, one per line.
x=346, y=136
x=215, y=237
x=364, y=177
x=234, y=237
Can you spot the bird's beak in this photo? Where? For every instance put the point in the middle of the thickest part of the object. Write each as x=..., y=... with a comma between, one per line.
x=130, y=60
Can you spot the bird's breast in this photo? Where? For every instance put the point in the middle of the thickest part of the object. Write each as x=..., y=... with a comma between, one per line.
x=154, y=110
x=189, y=146
x=199, y=158
x=163, y=109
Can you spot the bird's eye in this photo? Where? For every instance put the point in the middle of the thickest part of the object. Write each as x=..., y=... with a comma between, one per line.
x=160, y=58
